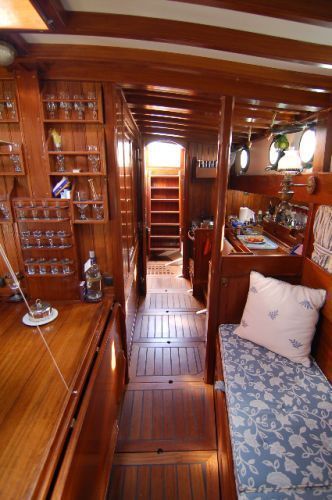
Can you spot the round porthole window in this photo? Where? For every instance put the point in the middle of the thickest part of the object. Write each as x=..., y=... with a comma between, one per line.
x=242, y=161
x=274, y=154
x=307, y=145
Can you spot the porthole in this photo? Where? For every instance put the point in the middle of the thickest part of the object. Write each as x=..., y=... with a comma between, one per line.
x=307, y=145
x=242, y=161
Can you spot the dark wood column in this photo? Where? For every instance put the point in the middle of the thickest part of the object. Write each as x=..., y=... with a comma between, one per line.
x=224, y=144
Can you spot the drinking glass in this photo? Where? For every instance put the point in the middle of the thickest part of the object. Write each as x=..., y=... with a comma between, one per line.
x=15, y=158
x=54, y=266
x=58, y=213
x=92, y=104
x=93, y=159
x=82, y=210
x=42, y=266
x=46, y=210
x=16, y=297
x=34, y=213
x=79, y=106
x=98, y=212
x=51, y=106
x=38, y=236
x=50, y=235
x=30, y=265
x=62, y=235
x=66, y=266
x=10, y=105
x=2, y=108
x=25, y=235
x=60, y=163
x=64, y=104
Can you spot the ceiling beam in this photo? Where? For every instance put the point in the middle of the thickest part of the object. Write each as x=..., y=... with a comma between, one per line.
x=195, y=35
x=318, y=13
x=52, y=12
x=226, y=69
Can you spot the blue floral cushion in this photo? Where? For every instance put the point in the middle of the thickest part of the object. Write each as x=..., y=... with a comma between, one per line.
x=280, y=416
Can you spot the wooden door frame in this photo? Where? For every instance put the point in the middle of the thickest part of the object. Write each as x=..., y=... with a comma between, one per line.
x=141, y=218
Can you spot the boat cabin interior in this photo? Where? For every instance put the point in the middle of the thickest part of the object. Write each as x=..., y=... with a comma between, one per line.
x=165, y=249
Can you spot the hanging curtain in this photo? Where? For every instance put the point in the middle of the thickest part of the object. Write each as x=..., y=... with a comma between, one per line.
x=322, y=253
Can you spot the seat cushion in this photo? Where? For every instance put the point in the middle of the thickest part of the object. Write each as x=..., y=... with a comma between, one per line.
x=280, y=416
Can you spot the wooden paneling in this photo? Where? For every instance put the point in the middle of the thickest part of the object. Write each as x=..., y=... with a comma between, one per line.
x=237, y=199
x=175, y=476
x=316, y=277
x=169, y=302
x=171, y=417
x=169, y=327
x=183, y=362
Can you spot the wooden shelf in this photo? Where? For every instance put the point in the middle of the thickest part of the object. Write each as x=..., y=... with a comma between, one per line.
x=90, y=221
x=9, y=121
x=164, y=187
x=165, y=223
x=165, y=199
x=165, y=212
x=50, y=275
x=88, y=202
x=77, y=174
x=166, y=236
x=74, y=153
x=42, y=220
x=96, y=122
x=164, y=248
x=12, y=173
x=167, y=176
x=71, y=100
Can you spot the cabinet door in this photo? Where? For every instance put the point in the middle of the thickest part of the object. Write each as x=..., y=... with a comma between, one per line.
x=85, y=470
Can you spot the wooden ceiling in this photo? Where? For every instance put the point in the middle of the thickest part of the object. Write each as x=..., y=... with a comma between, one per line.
x=173, y=71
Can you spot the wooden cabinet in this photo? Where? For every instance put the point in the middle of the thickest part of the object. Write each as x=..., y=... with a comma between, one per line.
x=164, y=213
x=55, y=441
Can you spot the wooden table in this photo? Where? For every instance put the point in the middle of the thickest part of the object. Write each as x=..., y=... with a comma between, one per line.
x=36, y=409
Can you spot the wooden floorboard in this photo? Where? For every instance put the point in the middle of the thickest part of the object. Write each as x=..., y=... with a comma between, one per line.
x=172, y=417
x=174, y=327
x=167, y=282
x=167, y=476
x=151, y=363
x=171, y=301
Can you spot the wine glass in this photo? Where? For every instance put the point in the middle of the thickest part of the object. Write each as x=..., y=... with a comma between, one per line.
x=42, y=266
x=92, y=104
x=62, y=235
x=51, y=106
x=25, y=235
x=10, y=104
x=98, y=211
x=2, y=108
x=66, y=266
x=79, y=106
x=50, y=235
x=4, y=211
x=54, y=266
x=82, y=210
x=30, y=265
x=15, y=158
x=46, y=209
x=37, y=234
x=64, y=104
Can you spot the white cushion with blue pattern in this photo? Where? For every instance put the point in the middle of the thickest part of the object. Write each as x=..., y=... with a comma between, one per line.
x=280, y=416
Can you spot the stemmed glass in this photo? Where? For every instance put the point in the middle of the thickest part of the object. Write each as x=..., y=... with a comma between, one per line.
x=20, y=210
x=2, y=108
x=38, y=235
x=92, y=104
x=93, y=159
x=79, y=106
x=82, y=210
x=64, y=104
x=62, y=235
x=25, y=238
x=50, y=235
x=54, y=266
x=66, y=266
x=15, y=158
x=42, y=266
x=30, y=264
x=10, y=105
x=51, y=106
x=46, y=209
x=16, y=297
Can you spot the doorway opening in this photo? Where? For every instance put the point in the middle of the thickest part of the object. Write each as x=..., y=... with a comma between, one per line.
x=164, y=171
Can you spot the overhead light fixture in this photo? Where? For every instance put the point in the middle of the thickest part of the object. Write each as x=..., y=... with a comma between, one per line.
x=7, y=54
x=20, y=15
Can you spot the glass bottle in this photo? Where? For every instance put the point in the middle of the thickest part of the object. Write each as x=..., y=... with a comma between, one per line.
x=93, y=279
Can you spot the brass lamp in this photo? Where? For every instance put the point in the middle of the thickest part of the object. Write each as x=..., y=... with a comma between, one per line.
x=287, y=183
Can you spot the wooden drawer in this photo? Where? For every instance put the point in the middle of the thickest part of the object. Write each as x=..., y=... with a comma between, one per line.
x=85, y=469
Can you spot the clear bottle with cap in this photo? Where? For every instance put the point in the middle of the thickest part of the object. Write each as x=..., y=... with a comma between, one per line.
x=93, y=279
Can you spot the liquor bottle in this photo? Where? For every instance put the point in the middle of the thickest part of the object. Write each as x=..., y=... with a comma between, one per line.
x=93, y=279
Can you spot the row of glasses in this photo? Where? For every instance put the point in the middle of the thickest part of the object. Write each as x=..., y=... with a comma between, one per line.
x=97, y=211
x=93, y=160
x=53, y=266
x=54, y=239
x=77, y=104
x=9, y=106
x=37, y=212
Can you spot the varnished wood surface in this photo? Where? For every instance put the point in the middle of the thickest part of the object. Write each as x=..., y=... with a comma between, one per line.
x=167, y=283
x=172, y=417
x=172, y=476
x=169, y=301
x=173, y=327
x=165, y=362
x=35, y=407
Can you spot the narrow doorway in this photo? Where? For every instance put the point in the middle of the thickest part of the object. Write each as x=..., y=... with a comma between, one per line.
x=164, y=167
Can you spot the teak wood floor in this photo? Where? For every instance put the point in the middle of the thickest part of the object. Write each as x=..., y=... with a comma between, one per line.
x=167, y=440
